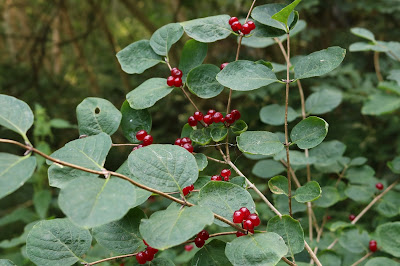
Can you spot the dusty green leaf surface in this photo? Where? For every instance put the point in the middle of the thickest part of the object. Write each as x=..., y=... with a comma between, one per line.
x=208, y=29
x=259, y=142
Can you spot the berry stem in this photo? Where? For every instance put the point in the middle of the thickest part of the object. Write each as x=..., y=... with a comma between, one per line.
x=123, y=144
x=362, y=259
x=110, y=258
x=188, y=97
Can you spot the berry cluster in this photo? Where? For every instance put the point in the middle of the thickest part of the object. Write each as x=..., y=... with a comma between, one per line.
x=187, y=190
x=226, y=173
x=147, y=255
x=143, y=136
x=245, y=29
x=379, y=186
x=176, y=78
x=201, y=238
x=373, y=246
x=185, y=143
x=247, y=219
x=213, y=116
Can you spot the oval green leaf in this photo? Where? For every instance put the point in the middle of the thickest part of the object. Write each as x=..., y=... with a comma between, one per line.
x=283, y=15
x=163, y=38
x=219, y=133
x=133, y=121
x=212, y=254
x=309, y=132
x=193, y=55
x=389, y=235
x=381, y=261
x=309, y=192
x=264, y=13
x=259, y=142
x=209, y=29
x=329, y=197
x=279, y=185
x=267, y=168
x=354, y=240
x=274, y=114
x=201, y=136
x=202, y=82
x=239, y=127
x=201, y=161
x=323, y=101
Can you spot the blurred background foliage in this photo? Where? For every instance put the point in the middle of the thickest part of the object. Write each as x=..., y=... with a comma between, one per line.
x=56, y=53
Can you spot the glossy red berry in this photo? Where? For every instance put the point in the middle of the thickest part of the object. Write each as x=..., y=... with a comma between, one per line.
x=245, y=212
x=186, y=140
x=203, y=234
x=233, y=19
x=188, y=247
x=229, y=118
x=223, y=65
x=147, y=140
x=141, y=257
x=211, y=112
x=148, y=255
x=217, y=117
x=198, y=116
x=188, y=147
x=170, y=81
x=236, y=114
x=226, y=178
x=185, y=191
x=199, y=242
x=226, y=172
x=240, y=233
x=192, y=121
x=176, y=73
x=141, y=134
x=245, y=29
x=152, y=250
x=223, y=119
x=216, y=178
x=238, y=217
x=255, y=219
x=373, y=246
x=208, y=119
x=191, y=187
x=379, y=186
x=178, y=142
x=236, y=26
x=248, y=225
x=251, y=24
x=352, y=217
x=177, y=82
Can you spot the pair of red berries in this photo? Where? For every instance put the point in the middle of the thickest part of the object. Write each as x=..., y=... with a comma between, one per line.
x=176, y=78
x=247, y=219
x=201, y=238
x=143, y=136
x=226, y=173
x=373, y=246
x=187, y=190
x=185, y=143
x=245, y=29
x=147, y=255
x=379, y=186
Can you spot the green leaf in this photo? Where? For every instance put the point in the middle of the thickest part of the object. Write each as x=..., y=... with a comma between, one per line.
x=309, y=192
x=323, y=101
x=89, y=152
x=388, y=205
x=223, y=198
x=14, y=172
x=168, y=168
x=137, y=57
x=281, y=203
x=329, y=258
x=358, y=161
x=219, y=133
x=291, y=231
x=259, y=142
x=186, y=130
x=85, y=199
x=61, y=123
x=212, y=254
x=274, y=114
x=363, y=46
x=354, y=240
x=381, y=261
x=20, y=240
x=297, y=158
x=133, y=121
x=279, y=185
x=57, y=242
x=22, y=214
x=380, y=103
x=148, y=93
x=283, y=15
x=163, y=38
x=267, y=168
x=264, y=13
x=169, y=228
x=319, y=63
x=360, y=175
x=4, y=262
x=160, y=261
x=309, y=132
x=394, y=165
x=208, y=29
x=96, y=115
x=359, y=193
x=259, y=249
x=239, y=127
x=329, y=197
x=41, y=202
x=15, y=115
x=243, y=75
x=201, y=161
x=121, y=236
x=363, y=33
x=390, y=86
x=338, y=225
x=328, y=150
x=193, y=55
x=395, y=75
x=202, y=82
x=389, y=235
x=201, y=136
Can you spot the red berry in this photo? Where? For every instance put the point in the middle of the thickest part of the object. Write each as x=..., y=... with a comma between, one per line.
x=141, y=134
x=226, y=172
x=329, y=217
x=223, y=65
x=152, y=250
x=238, y=217
x=226, y=178
x=379, y=186
x=173, y=70
x=144, y=241
x=245, y=212
x=352, y=217
x=188, y=147
x=198, y=116
x=208, y=119
x=148, y=255
x=178, y=141
x=240, y=233
x=236, y=26
x=147, y=140
x=251, y=25
x=251, y=231
x=223, y=119
x=203, y=235
x=216, y=178
x=233, y=19
x=373, y=246
x=176, y=73
x=255, y=219
x=188, y=247
x=211, y=112
x=141, y=257
x=199, y=242
x=245, y=28
x=186, y=140
x=137, y=147
x=192, y=121
x=170, y=81
x=191, y=187
x=185, y=191
x=229, y=118
x=236, y=114
x=177, y=82
x=217, y=117
x=248, y=225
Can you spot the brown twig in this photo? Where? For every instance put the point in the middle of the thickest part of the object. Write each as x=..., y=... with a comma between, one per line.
x=362, y=259
x=377, y=66
x=111, y=258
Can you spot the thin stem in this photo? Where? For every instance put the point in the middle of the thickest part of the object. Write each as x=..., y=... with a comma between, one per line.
x=377, y=66
x=111, y=258
x=312, y=254
x=362, y=259
x=123, y=144
x=293, y=175
x=341, y=175
x=212, y=235
x=188, y=97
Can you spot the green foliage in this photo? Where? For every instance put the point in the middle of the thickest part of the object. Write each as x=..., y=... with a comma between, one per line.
x=209, y=29
x=309, y=132
x=134, y=120
x=202, y=82
x=211, y=255
x=259, y=142
x=162, y=40
x=193, y=55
